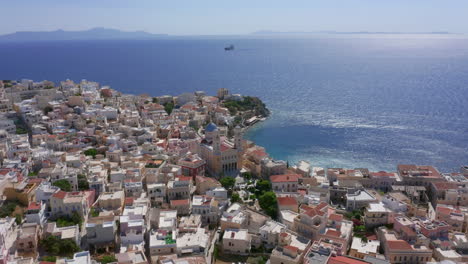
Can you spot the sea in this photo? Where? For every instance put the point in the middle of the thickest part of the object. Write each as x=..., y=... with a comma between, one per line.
x=346, y=101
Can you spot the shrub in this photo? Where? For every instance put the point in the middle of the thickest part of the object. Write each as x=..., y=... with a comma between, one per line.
x=63, y=184
x=269, y=204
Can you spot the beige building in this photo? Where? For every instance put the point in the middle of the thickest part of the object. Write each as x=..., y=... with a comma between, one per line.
x=376, y=214
x=221, y=155
x=361, y=249
x=204, y=184
x=182, y=206
x=66, y=203
x=290, y=249
x=311, y=221
x=400, y=251
x=180, y=188
x=112, y=201
x=285, y=182
x=27, y=240
x=236, y=241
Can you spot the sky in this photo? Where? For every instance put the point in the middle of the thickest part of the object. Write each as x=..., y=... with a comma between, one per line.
x=220, y=17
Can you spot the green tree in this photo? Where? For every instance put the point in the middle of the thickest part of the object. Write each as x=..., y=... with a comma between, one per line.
x=263, y=186
x=68, y=247
x=8, y=208
x=227, y=182
x=269, y=203
x=108, y=259
x=155, y=100
x=49, y=258
x=168, y=107
x=64, y=185
x=20, y=130
x=18, y=219
x=48, y=109
x=83, y=184
x=93, y=212
x=91, y=152
x=235, y=198
x=359, y=228
x=76, y=218
x=247, y=175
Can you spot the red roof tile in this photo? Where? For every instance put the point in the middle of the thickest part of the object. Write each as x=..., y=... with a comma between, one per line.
x=344, y=260
x=184, y=178
x=60, y=195
x=292, y=248
x=180, y=202
x=333, y=233
x=34, y=206
x=287, y=201
x=398, y=245
x=336, y=217
x=285, y=178
x=128, y=200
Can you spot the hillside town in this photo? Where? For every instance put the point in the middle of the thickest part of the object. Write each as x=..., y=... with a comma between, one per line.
x=91, y=175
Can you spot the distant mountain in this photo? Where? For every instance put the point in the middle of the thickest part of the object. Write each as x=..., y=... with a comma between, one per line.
x=269, y=32
x=91, y=34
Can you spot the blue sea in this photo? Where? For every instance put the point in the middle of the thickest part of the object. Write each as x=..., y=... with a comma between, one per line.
x=347, y=101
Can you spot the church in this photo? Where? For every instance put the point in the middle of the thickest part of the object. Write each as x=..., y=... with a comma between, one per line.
x=222, y=156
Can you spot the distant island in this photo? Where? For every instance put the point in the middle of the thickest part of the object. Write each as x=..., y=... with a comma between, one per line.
x=270, y=32
x=91, y=34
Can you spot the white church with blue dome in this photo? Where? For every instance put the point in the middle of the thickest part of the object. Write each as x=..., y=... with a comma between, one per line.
x=223, y=157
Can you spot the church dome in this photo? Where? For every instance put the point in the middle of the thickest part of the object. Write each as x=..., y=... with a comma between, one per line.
x=211, y=127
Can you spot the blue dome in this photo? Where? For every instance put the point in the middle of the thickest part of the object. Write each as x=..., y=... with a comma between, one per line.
x=211, y=127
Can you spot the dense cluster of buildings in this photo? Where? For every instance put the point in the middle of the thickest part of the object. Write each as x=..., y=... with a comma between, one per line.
x=138, y=179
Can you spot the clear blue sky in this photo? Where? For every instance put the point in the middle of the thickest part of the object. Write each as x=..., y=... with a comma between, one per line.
x=183, y=17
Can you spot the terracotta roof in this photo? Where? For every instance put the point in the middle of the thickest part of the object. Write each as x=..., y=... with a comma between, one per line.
x=333, y=233
x=398, y=245
x=443, y=210
x=292, y=248
x=180, y=202
x=225, y=147
x=445, y=185
x=184, y=178
x=344, y=260
x=60, y=195
x=336, y=217
x=34, y=206
x=285, y=178
x=382, y=174
x=128, y=200
x=287, y=201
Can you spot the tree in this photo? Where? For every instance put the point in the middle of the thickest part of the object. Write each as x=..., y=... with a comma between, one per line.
x=48, y=109
x=263, y=186
x=247, y=175
x=55, y=246
x=91, y=152
x=18, y=219
x=49, y=258
x=20, y=130
x=82, y=182
x=269, y=203
x=93, y=212
x=235, y=198
x=227, y=182
x=168, y=107
x=108, y=259
x=64, y=185
x=76, y=218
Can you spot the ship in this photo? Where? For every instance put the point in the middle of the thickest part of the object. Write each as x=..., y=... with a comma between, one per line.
x=230, y=47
